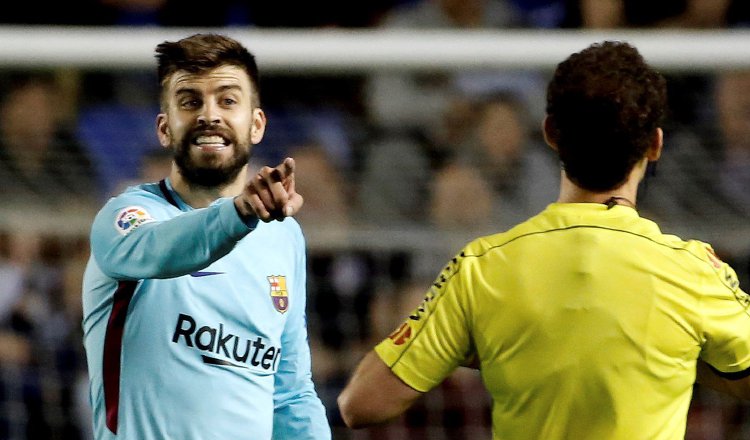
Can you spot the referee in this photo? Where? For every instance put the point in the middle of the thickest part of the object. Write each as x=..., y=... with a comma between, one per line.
x=585, y=321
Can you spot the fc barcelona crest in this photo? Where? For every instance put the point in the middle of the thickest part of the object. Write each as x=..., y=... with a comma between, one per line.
x=279, y=294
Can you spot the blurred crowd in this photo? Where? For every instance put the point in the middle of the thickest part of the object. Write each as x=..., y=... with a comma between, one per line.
x=432, y=13
x=397, y=170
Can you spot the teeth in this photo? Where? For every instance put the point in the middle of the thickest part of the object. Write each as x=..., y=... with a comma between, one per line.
x=209, y=140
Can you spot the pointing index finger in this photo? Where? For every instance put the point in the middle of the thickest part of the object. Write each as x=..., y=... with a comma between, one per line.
x=284, y=173
x=287, y=167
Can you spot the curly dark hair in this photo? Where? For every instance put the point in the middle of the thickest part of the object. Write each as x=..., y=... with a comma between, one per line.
x=604, y=105
x=202, y=52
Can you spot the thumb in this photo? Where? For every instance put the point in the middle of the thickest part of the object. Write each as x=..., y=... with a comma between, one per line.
x=294, y=204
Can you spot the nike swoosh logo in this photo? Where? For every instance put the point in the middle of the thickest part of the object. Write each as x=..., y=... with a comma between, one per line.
x=204, y=274
x=214, y=361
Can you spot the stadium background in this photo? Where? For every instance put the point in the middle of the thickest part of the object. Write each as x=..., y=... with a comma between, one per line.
x=413, y=135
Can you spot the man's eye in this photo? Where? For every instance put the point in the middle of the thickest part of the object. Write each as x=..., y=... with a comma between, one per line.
x=190, y=103
x=229, y=101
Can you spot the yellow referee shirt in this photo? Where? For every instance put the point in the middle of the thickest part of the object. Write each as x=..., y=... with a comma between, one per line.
x=587, y=323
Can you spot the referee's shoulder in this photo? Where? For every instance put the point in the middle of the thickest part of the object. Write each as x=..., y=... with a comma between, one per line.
x=698, y=248
x=698, y=255
x=482, y=244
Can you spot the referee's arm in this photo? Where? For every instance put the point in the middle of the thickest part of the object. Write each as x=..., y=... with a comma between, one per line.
x=735, y=384
x=374, y=394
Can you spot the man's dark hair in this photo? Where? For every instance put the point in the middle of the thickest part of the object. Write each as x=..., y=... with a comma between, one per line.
x=604, y=105
x=202, y=52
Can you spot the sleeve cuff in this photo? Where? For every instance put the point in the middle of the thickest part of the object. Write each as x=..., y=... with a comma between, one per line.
x=232, y=222
x=250, y=221
x=737, y=375
x=407, y=375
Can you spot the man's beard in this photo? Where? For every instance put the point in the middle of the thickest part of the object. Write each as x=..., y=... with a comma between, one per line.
x=209, y=176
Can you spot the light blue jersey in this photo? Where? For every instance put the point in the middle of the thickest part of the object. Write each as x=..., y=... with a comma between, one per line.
x=194, y=323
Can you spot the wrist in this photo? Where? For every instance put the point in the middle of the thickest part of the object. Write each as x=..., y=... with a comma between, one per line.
x=245, y=212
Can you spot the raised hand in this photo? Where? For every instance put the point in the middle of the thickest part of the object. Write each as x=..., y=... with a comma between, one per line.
x=270, y=194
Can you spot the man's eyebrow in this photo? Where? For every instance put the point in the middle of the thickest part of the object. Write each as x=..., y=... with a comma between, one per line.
x=194, y=91
x=226, y=87
x=186, y=91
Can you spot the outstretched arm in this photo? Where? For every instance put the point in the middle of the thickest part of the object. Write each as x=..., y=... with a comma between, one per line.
x=374, y=394
x=135, y=237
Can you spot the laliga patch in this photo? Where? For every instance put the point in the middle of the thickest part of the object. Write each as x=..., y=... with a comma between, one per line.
x=727, y=274
x=279, y=294
x=401, y=334
x=130, y=218
x=715, y=261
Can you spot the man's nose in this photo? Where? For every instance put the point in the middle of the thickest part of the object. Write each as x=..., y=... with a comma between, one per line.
x=209, y=114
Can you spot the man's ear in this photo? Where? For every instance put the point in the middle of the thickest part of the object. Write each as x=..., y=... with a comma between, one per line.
x=162, y=130
x=657, y=143
x=550, y=135
x=258, y=127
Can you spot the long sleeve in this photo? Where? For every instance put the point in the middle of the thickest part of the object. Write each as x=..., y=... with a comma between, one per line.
x=135, y=237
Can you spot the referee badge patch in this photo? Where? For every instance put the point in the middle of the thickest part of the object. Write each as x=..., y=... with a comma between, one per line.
x=279, y=294
x=130, y=218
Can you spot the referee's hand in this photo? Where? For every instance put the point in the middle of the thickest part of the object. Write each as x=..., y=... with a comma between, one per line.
x=270, y=194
